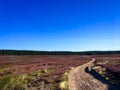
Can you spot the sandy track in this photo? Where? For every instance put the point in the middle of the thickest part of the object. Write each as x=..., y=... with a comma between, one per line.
x=79, y=79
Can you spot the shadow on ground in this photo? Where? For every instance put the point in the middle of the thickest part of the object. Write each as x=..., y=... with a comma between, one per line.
x=100, y=78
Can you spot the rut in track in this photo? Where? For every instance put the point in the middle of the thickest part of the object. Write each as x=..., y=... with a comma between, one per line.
x=80, y=78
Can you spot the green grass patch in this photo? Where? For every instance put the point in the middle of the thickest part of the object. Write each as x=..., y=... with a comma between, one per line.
x=11, y=82
x=64, y=81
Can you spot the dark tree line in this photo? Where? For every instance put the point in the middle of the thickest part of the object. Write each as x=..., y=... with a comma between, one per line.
x=27, y=52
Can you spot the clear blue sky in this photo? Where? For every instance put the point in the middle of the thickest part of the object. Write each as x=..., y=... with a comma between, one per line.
x=63, y=25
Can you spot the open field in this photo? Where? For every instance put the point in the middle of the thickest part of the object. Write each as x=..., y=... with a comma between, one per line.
x=37, y=71
x=46, y=72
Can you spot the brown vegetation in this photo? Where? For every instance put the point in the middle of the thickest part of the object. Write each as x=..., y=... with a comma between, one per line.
x=41, y=71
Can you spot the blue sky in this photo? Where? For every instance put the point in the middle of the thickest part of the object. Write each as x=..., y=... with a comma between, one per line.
x=60, y=25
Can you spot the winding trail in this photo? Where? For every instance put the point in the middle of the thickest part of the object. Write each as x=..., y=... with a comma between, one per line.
x=80, y=78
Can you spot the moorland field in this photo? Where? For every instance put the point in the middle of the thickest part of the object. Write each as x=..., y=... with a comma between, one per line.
x=50, y=72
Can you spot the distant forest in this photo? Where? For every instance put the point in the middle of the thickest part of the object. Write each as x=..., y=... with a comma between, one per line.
x=27, y=52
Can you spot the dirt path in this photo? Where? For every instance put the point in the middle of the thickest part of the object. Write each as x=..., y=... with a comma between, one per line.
x=80, y=78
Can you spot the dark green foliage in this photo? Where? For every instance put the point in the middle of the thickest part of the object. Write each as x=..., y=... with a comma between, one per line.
x=27, y=52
